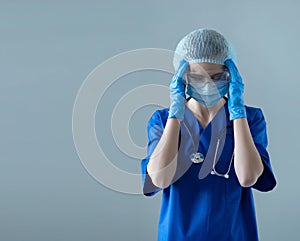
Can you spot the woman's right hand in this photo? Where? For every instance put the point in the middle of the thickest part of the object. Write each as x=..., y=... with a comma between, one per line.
x=177, y=92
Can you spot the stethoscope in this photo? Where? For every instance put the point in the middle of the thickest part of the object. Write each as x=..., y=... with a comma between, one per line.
x=198, y=157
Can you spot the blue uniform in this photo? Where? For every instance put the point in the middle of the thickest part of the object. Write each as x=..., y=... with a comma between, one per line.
x=198, y=206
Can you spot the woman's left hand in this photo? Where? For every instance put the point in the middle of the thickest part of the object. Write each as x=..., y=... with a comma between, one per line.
x=236, y=89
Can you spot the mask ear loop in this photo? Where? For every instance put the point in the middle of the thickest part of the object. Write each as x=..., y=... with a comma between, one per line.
x=186, y=82
x=185, y=78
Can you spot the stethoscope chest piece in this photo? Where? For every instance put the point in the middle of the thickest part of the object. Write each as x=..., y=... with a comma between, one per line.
x=197, y=157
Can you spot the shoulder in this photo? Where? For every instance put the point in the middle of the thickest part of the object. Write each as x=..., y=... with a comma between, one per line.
x=254, y=114
x=251, y=110
x=159, y=116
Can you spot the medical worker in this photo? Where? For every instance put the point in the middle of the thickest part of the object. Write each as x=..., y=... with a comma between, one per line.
x=207, y=151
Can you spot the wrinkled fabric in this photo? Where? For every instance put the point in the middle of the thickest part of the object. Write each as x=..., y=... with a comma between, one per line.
x=207, y=94
x=205, y=207
x=236, y=90
x=177, y=92
x=203, y=45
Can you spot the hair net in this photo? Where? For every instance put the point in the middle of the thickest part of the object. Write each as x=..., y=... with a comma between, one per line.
x=204, y=45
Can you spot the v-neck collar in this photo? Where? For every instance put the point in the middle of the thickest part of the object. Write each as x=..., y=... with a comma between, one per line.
x=189, y=117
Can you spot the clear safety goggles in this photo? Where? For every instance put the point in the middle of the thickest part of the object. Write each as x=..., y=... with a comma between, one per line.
x=212, y=76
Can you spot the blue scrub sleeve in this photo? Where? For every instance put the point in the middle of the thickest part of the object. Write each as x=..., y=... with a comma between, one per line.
x=266, y=182
x=155, y=130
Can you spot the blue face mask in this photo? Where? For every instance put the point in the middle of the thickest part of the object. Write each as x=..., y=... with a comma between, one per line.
x=207, y=94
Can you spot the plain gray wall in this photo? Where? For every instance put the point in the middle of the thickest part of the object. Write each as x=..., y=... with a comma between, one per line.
x=49, y=47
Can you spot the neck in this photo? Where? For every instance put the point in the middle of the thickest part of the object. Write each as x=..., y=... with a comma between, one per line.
x=203, y=113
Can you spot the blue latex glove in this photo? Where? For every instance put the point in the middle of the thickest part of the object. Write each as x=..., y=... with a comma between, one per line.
x=177, y=92
x=236, y=89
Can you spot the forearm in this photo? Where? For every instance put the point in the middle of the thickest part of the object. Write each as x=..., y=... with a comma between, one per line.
x=163, y=161
x=247, y=161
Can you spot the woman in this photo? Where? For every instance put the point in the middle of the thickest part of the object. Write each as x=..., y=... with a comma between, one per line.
x=206, y=152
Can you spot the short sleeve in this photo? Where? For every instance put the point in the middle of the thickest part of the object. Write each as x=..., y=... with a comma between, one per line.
x=266, y=181
x=155, y=130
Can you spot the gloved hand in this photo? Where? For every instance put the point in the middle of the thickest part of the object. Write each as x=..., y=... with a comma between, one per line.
x=236, y=89
x=177, y=92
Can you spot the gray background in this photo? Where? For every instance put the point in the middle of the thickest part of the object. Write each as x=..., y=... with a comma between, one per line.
x=48, y=48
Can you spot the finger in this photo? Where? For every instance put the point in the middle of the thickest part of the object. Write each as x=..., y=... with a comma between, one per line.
x=183, y=64
x=177, y=80
x=231, y=67
x=235, y=75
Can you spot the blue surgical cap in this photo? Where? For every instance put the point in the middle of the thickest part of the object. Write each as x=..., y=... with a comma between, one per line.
x=204, y=45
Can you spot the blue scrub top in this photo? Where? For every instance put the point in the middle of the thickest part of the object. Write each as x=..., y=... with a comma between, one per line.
x=208, y=208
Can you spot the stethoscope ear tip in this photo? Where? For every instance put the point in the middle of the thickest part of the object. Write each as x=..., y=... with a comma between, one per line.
x=225, y=175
